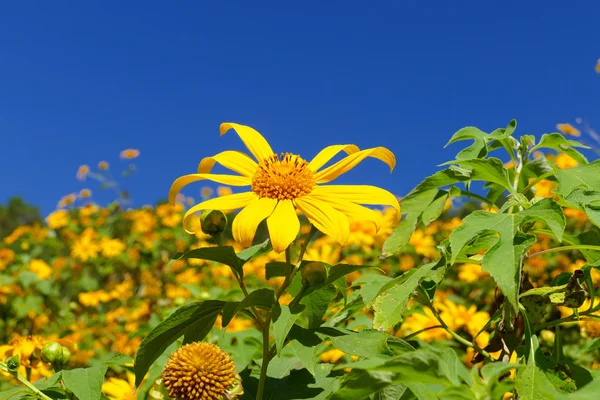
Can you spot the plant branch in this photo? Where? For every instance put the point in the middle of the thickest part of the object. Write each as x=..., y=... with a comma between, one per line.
x=266, y=358
x=565, y=248
x=38, y=394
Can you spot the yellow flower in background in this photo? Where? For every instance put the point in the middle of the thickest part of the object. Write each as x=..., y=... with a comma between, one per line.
x=129, y=154
x=423, y=244
x=103, y=166
x=85, y=193
x=471, y=273
x=568, y=129
x=111, y=247
x=598, y=66
x=6, y=257
x=332, y=356
x=544, y=188
x=417, y=321
x=67, y=200
x=58, y=219
x=280, y=184
x=85, y=246
x=223, y=191
x=120, y=389
x=82, y=172
x=324, y=250
x=28, y=348
x=40, y=268
x=92, y=299
x=565, y=161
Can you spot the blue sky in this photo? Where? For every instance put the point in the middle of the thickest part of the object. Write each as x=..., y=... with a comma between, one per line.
x=80, y=81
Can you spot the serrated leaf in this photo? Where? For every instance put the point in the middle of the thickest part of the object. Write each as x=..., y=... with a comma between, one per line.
x=358, y=385
x=283, y=320
x=261, y=298
x=391, y=301
x=170, y=330
x=366, y=343
x=371, y=285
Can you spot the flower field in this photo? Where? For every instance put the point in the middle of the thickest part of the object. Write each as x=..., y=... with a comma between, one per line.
x=299, y=288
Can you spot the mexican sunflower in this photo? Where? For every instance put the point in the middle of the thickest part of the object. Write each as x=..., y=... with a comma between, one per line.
x=283, y=183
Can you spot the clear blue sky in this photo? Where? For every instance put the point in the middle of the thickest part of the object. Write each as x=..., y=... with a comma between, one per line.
x=80, y=81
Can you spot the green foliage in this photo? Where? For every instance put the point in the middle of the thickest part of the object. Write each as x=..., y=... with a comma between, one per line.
x=17, y=213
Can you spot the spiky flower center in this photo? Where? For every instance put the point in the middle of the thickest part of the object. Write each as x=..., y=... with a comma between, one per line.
x=283, y=177
x=199, y=371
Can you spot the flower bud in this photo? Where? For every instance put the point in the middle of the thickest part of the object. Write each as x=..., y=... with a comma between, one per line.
x=66, y=355
x=314, y=274
x=12, y=363
x=52, y=353
x=213, y=222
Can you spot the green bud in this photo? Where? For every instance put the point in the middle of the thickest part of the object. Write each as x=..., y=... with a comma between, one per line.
x=12, y=363
x=213, y=222
x=66, y=355
x=314, y=274
x=52, y=353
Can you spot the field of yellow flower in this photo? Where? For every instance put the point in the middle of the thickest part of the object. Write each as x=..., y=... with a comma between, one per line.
x=106, y=284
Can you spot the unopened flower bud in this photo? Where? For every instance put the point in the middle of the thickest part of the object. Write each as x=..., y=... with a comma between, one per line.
x=12, y=363
x=314, y=274
x=213, y=222
x=66, y=355
x=52, y=353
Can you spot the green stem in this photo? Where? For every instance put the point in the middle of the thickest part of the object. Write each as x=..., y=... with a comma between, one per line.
x=565, y=248
x=38, y=394
x=537, y=180
x=459, y=338
x=266, y=358
x=421, y=331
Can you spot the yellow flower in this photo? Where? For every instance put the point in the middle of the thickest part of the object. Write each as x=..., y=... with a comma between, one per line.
x=40, y=268
x=280, y=184
x=85, y=193
x=129, y=154
x=199, y=371
x=598, y=66
x=111, y=247
x=85, y=246
x=67, y=200
x=323, y=250
x=82, y=172
x=544, y=188
x=92, y=299
x=417, y=321
x=423, y=244
x=565, y=161
x=223, y=191
x=103, y=165
x=120, y=389
x=568, y=129
x=16, y=234
x=6, y=257
x=332, y=356
x=58, y=219
x=471, y=273
x=28, y=348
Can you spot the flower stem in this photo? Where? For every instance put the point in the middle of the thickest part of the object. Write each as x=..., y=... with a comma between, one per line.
x=421, y=331
x=565, y=248
x=38, y=394
x=266, y=358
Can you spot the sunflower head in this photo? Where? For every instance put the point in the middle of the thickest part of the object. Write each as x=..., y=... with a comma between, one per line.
x=199, y=371
x=283, y=177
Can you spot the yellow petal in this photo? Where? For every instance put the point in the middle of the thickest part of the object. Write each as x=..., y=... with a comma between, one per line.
x=245, y=223
x=329, y=152
x=234, y=160
x=351, y=210
x=360, y=194
x=349, y=162
x=231, y=202
x=182, y=181
x=325, y=218
x=254, y=141
x=283, y=225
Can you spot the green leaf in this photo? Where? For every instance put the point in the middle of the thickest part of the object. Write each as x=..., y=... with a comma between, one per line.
x=275, y=269
x=222, y=254
x=119, y=359
x=558, y=142
x=532, y=383
x=584, y=200
x=391, y=301
x=255, y=251
x=358, y=385
x=341, y=270
x=586, y=176
x=489, y=170
x=317, y=303
x=169, y=331
x=261, y=298
x=367, y=343
x=589, y=391
x=283, y=320
x=85, y=383
x=502, y=260
x=371, y=285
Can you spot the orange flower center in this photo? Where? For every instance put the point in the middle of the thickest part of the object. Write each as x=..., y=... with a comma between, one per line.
x=283, y=177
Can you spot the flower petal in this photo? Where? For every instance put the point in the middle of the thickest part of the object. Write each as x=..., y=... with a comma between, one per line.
x=234, y=160
x=254, y=141
x=349, y=162
x=231, y=202
x=351, y=210
x=283, y=225
x=328, y=153
x=182, y=181
x=325, y=218
x=360, y=194
x=245, y=223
